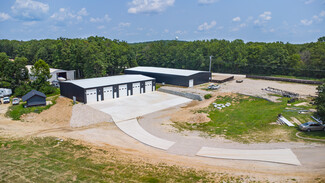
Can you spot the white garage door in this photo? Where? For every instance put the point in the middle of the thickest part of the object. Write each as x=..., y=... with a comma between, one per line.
x=91, y=95
x=191, y=83
x=136, y=88
x=108, y=93
x=122, y=89
x=148, y=86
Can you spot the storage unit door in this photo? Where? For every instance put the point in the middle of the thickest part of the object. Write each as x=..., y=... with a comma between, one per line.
x=108, y=93
x=122, y=89
x=148, y=85
x=191, y=83
x=136, y=88
x=91, y=95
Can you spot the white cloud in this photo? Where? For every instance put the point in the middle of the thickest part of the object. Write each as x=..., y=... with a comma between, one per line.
x=239, y=27
x=83, y=12
x=207, y=26
x=263, y=18
x=66, y=15
x=4, y=17
x=306, y=22
x=149, y=6
x=29, y=9
x=309, y=1
x=207, y=1
x=166, y=31
x=315, y=18
x=124, y=24
x=106, y=18
x=236, y=19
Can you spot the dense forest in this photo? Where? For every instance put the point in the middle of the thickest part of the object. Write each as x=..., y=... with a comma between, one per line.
x=99, y=56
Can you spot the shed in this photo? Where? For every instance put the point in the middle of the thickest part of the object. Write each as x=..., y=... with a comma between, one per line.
x=34, y=98
x=180, y=77
x=107, y=88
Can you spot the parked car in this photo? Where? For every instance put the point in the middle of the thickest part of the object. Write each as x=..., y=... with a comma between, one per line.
x=213, y=87
x=6, y=100
x=15, y=101
x=311, y=126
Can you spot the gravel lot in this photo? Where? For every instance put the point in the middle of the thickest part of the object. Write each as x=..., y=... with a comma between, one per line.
x=254, y=88
x=83, y=115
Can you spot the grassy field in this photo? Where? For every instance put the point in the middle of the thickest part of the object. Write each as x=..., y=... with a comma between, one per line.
x=249, y=119
x=49, y=160
x=16, y=111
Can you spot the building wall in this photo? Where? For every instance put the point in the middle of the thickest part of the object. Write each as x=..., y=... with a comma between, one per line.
x=36, y=100
x=69, y=90
x=199, y=78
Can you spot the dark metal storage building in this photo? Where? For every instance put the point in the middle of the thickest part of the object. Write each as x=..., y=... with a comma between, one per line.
x=107, y=88
x=180, y=77
x=34, y=98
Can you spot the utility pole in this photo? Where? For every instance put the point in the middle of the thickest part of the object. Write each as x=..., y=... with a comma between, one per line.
x=210, y=63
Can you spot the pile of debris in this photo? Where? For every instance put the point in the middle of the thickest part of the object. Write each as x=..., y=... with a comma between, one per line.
x=220, y=106
x=282, y=92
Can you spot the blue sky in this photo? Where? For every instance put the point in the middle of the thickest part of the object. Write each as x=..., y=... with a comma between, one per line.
x=294, y=21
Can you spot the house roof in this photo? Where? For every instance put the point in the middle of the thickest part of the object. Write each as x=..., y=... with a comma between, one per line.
x=110, y=80
x=31, y=94
x=161, y=70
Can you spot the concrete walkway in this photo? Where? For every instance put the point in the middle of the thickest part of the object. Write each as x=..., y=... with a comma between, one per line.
x=285, y=156
x=133, y=129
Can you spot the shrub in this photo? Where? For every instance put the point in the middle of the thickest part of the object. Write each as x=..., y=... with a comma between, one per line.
x=47, y=89
x=207, y=96
x=22, y=90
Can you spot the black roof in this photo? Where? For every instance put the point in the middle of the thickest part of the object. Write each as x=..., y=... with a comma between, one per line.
x=31, y=94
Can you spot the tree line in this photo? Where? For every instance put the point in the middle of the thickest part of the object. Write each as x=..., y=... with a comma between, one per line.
x=99, y=56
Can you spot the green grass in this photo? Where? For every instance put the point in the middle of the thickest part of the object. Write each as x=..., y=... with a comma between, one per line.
x=48, y=160
x=158, y=86
x=16, y=111
x=248, y=119
x=207, y=96
x=57, y=92
x=314, y=134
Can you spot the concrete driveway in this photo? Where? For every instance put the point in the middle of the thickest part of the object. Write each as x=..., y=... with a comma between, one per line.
x=125, y=111
x=131, y=107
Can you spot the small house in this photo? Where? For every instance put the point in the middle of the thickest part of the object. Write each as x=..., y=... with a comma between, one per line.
x=34, y=98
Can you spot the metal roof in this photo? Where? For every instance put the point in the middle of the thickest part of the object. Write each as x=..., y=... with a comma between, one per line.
x=110, y=80
x=161, y=70
x=31, y=94
x=29, y=68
